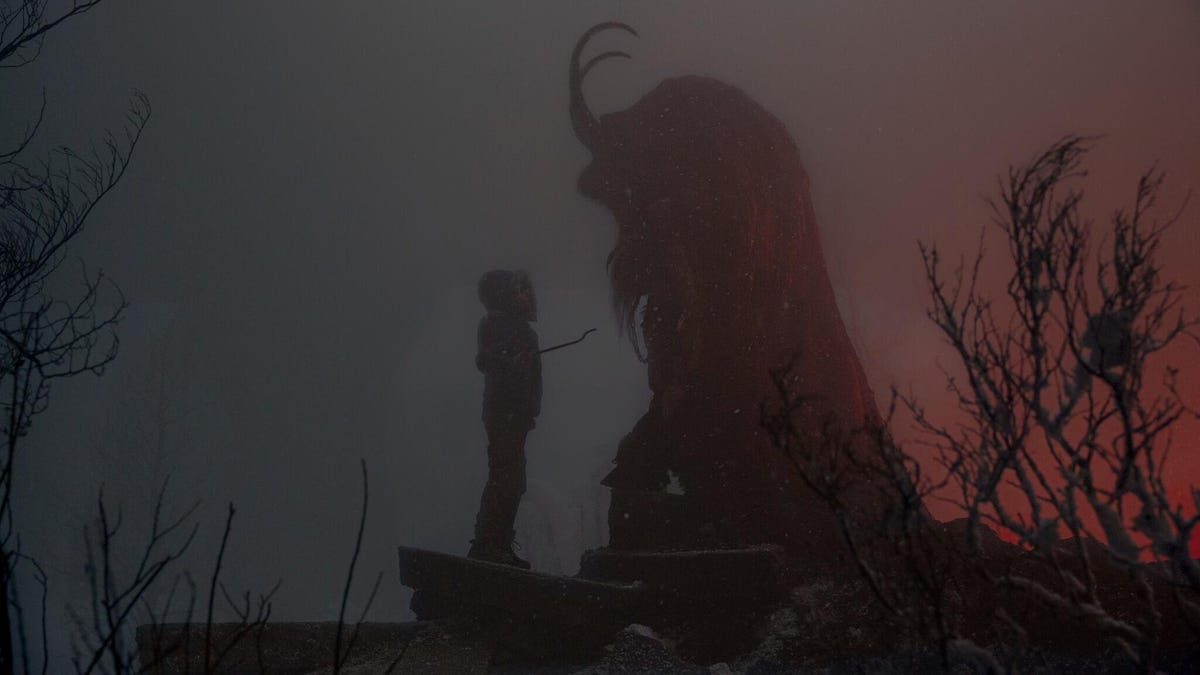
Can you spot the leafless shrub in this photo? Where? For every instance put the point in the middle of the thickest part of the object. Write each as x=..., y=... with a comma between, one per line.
x=341, y=656
x=121, y=599
x=1061, y=439
x=103, y=643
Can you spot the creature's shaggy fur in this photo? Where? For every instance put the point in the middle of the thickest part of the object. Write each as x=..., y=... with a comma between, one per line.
x=718, y=245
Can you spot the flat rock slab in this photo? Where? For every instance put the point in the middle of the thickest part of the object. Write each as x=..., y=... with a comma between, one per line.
x=527, y=612
x=710, y=602
x=748, y=572
x=482, y=582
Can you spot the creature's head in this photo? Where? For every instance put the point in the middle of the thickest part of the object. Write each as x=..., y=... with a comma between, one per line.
x=697, y=175
x=508, y=292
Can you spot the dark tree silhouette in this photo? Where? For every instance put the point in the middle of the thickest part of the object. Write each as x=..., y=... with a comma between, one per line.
x=123, y=595
x=203, y=647
x=47, y=333
x=102, y=641
x=1064, y=425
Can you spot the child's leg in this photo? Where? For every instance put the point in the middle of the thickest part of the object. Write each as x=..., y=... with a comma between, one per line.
x=502, y=494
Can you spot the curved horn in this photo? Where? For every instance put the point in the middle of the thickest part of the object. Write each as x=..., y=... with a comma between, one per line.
x=585, y=123
x=598, y=58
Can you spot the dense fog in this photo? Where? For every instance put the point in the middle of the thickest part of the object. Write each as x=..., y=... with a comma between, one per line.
x=321, y=185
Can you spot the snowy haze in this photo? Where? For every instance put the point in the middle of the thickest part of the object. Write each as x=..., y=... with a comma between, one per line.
x=321, y=184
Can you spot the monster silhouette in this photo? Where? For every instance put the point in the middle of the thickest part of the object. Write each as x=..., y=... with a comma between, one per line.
x=719, y=260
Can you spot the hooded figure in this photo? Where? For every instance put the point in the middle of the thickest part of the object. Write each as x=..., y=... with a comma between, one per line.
x=512, y=396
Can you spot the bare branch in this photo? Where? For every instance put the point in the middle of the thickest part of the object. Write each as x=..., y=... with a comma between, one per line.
x=1058, y=431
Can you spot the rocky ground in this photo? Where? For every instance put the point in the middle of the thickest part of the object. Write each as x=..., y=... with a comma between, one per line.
x=636, y=614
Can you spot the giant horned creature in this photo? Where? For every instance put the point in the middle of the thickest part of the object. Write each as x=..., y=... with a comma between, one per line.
x=718, y=252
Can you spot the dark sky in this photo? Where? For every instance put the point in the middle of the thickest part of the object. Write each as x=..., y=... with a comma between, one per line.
x=322, y=183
